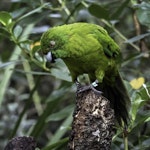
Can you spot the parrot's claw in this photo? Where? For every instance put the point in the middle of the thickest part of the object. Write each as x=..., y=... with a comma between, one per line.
x=81, y=88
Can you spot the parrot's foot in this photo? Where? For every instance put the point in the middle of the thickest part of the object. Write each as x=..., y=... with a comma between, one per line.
x=81, y=88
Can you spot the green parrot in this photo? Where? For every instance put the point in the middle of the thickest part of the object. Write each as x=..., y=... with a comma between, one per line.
x=87, y=48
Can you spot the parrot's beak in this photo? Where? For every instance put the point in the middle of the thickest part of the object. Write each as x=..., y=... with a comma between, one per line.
x=49, y=57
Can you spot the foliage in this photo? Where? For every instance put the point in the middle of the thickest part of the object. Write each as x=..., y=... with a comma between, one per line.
x=38, y=101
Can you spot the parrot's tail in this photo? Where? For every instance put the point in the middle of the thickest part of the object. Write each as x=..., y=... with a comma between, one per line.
x=119, y=99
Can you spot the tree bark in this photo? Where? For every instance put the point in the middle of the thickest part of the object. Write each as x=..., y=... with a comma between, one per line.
x=93, y=122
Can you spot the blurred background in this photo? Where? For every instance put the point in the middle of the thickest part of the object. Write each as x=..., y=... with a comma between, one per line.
x=37, y=99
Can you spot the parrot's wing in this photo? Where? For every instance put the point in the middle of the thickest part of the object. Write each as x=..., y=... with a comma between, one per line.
x=110, y=51
x=110, y=48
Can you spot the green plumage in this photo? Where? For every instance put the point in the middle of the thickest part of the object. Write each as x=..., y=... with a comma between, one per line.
x=87, y=48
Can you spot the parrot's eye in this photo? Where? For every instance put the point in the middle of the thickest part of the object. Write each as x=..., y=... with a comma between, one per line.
x=52, y=44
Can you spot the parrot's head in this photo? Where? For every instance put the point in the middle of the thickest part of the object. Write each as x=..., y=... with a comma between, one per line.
x=52, y=42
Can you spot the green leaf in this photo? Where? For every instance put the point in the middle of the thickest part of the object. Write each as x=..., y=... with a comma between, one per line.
x=17, y=31
x=3, y=65
x=52, y=103
x=19, y=12
x=99, y=11
x=4, y=32
x=63, y=128
x=143, y=92
x=57, y=144
x=34, y=11
x=61, y=71
x=5, y=18
x=120, y=9
x=26, y=45
x=61, y=114
x=137, y=38
x=146, y=144
x=10, y=26
x=141, y=118
x=136, y=103
x=143, y=13
x=14, y=56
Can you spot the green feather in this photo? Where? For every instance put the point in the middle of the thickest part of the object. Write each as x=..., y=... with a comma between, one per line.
x=87, y=48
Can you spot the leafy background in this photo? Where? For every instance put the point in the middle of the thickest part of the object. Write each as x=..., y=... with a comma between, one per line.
x=35, y=101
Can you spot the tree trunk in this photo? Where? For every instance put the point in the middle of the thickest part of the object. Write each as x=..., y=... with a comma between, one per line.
x=93, y=122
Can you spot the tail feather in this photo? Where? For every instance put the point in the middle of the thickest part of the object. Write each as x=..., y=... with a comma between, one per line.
x=119, y=98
